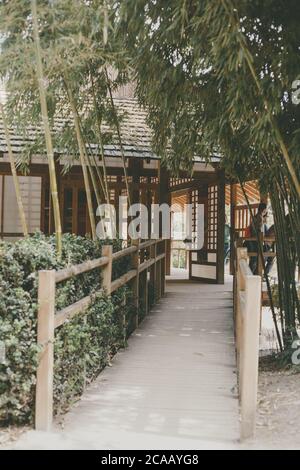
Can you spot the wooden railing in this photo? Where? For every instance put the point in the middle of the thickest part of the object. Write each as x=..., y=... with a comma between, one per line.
x=146, y=257
x=263, y=240
x=247, y=307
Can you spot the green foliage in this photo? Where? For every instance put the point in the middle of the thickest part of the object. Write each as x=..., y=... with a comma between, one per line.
x=83, y=346
x=73, y=36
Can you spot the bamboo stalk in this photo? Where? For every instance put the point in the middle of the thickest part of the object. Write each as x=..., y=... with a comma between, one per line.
x=14, y=174
x=99, y=135
x=83, y=157
x=47, y=132
x=119, y=135
x=273, y=123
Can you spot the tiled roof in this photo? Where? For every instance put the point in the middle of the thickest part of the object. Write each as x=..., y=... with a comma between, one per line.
x=136, y=134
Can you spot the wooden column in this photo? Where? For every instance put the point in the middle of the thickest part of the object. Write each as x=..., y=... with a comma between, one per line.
x=107, y=270
x=45, y=338
x=135, y=165
x=136, y=280
x=165, y=197
x=250, y=357
x=233, y=199
x=2, y=206
x=221, y=227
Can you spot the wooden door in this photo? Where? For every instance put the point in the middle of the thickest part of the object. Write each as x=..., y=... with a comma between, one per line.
x=207, y=258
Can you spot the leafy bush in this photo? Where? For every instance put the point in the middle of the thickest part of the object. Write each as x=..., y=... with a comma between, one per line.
x=83, y=346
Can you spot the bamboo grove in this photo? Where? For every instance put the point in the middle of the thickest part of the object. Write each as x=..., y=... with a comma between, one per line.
x=217, y=77
x=56, y=61
x=214, y=75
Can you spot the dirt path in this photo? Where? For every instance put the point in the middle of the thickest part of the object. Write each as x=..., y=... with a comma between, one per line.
x=278, y=417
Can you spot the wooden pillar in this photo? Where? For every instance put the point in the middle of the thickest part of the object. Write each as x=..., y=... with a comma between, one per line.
x=233, y=201
x=165, y=197
x=221, y=227
x=149, y=208
x=45, y=338
x=107, y=270
x=135, y=281
x=135, y=165
x=2, y=205
x=250, y=357
x=153, y=269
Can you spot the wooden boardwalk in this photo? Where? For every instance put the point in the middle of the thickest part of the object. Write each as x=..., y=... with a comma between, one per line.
x=174, y=387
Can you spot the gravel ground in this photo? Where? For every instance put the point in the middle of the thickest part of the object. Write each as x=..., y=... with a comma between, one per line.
x=9, y=436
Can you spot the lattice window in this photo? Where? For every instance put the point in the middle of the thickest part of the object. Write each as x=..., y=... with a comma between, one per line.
x=195, y=215
x=243, y=218
x=212, y=218
x=178, y=181
x=129, y=179
x=111, y=179
x=154, y=179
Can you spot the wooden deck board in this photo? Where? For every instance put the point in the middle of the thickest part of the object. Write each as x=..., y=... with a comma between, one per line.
x=171, y=388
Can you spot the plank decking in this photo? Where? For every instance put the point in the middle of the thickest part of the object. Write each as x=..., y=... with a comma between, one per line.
x=174, y=387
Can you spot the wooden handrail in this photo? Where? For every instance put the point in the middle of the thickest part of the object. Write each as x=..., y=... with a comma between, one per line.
x=148, y=243
x=49, y=319
x=254, y=239
x=124, y=252
x=66, y=273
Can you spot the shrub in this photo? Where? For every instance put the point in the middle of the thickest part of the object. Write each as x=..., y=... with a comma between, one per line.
x=83, y=346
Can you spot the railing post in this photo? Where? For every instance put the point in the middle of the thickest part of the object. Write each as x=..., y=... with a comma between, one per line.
x=250, y=356
x=107, y=270
x=163, y=270
x=260, y=258
x=241, y=253
x=157, y=275
x=146, y=292
x=45, y=339
x=135, y=282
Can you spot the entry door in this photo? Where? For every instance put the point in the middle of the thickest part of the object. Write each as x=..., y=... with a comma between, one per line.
x=207, y=261
x=74, y=214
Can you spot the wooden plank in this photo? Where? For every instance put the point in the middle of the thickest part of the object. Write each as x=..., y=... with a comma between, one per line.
x=122, y=280
x=71, y=311
x=81, y=268
x=120, y=254
x=45, y=338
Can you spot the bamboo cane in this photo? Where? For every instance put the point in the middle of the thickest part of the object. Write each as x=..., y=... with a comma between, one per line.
x=249, y=60
x=14, y=174
x=260, y=253
x=47, y=132
x=119, y=134
x=83, y=157
x=99, y=136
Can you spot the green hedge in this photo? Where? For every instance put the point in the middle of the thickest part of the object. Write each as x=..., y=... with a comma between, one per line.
x=83, y=346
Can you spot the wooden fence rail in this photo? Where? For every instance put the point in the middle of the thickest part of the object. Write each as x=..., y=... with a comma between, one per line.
x=49, y=318
x=247, y=306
